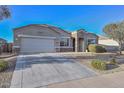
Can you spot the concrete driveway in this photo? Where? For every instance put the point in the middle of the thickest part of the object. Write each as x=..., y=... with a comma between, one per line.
x=40, y=70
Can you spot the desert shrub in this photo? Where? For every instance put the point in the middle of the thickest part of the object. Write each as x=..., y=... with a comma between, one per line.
x=99, y=64
x=100, y=49
x=103, y=66
x=96, y=48
x=91, y=48
x=3, y=65
x=113, y=61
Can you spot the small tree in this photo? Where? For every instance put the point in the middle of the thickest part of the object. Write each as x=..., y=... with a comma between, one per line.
x=116, y=32
x=4, y=12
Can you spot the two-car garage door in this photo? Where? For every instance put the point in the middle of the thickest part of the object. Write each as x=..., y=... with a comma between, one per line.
x=34, y=45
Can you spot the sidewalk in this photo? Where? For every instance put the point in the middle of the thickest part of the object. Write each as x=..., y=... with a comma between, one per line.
x=114, y=80
x=7, y=55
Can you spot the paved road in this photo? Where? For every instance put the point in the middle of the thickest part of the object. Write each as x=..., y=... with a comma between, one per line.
x=43, y=69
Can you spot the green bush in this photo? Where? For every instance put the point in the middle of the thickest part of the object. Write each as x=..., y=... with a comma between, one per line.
x=96, y=48
x=99, y=64
x=3, y=65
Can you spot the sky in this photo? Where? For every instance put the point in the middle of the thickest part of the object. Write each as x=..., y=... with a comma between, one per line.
x=68, y=17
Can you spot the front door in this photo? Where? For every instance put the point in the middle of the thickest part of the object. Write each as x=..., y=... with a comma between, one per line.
x=73, y=44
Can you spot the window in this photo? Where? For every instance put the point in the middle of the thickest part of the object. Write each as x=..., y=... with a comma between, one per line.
x=64, y=42
x=91, y=41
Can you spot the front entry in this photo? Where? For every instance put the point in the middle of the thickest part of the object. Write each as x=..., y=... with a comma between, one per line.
x=80, y=44
x=73, y=44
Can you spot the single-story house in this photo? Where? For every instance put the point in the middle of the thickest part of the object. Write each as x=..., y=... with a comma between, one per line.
x=5, y=47
x=36, y=38
x=2, y=43
x=109, y=44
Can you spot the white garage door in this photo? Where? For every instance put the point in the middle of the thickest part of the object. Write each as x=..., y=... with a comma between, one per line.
x=33, y=45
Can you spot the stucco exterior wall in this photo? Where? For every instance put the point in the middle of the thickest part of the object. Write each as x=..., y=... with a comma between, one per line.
x=109, y=44
x=51, y=31
x=33, y=30
x=36, y=30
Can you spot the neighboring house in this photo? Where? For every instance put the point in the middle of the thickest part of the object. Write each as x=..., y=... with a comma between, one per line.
x=2, y=43
x=8, y=47
x=109, y=44
x=36, y=38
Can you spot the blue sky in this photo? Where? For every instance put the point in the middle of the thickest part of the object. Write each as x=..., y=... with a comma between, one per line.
x=70, y=18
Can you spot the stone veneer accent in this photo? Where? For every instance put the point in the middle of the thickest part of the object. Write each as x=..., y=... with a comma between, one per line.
x=66, y=49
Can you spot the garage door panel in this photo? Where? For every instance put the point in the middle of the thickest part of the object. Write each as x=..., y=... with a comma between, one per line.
x=37, y=45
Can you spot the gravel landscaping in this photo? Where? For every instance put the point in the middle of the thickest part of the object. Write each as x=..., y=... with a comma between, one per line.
x=84, y=59
x=6, y=76
x=119, y=67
